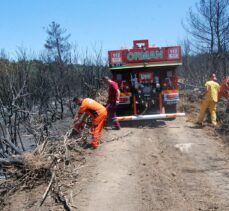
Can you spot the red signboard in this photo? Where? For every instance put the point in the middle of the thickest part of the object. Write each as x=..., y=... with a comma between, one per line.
x=141, y=53
x=116, y=57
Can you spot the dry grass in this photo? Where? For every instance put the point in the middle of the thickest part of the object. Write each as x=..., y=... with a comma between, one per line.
x=62, y=158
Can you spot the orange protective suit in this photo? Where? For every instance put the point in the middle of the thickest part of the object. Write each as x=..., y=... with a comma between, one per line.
x=209, y=102
x=98, y=114
x=224, y=91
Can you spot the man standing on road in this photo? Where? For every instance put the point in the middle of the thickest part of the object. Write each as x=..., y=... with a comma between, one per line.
x=224, y=91
x=113, y=100
x=98, y=114
x=210, y=100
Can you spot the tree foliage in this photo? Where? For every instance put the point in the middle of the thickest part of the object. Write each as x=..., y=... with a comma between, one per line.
x=57, y=43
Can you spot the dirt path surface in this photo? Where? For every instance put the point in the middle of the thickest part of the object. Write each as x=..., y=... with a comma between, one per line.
x=168, y=166
x=163, y=166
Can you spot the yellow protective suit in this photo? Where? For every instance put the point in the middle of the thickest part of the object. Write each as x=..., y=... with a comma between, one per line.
x=209, y=102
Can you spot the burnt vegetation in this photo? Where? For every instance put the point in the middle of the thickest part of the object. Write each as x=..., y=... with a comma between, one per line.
x=35, y=93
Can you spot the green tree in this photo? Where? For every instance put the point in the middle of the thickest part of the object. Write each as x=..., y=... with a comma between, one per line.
x=57, y=43
x=58, y=59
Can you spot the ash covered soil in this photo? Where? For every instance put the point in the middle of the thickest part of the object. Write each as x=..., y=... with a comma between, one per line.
x=164, y=165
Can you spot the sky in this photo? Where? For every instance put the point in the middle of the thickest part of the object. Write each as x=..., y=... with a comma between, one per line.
x=110, y=24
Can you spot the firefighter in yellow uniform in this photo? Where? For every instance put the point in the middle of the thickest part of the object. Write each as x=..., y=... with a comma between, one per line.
x=210, y=100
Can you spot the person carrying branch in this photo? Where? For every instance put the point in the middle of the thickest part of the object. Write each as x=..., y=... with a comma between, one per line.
x=97, y=113
x=113, y=100
x=224, y=91
x=209, y=101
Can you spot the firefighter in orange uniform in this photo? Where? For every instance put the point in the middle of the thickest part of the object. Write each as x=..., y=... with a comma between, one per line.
x=224, y=91
x=97, y=113
x=210, y=100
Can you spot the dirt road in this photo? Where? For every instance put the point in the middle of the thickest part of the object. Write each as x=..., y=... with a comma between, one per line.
x=163, y=166
x=167, y=166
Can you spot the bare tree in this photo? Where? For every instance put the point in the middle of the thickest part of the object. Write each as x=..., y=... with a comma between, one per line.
x=208, y=27
x=13, y=105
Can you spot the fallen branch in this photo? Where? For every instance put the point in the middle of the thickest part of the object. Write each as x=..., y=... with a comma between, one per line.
x=40, y=148
x=60, y=197
x=48, y=189
x=67, y=159
x=10, y=161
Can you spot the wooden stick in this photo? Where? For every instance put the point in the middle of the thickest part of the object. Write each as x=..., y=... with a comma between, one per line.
x=62, y=200
x=48, y=189
x=40, y=148
x=10, y=161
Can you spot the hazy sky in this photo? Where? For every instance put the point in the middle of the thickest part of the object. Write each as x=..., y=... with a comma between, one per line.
x=110, y=23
